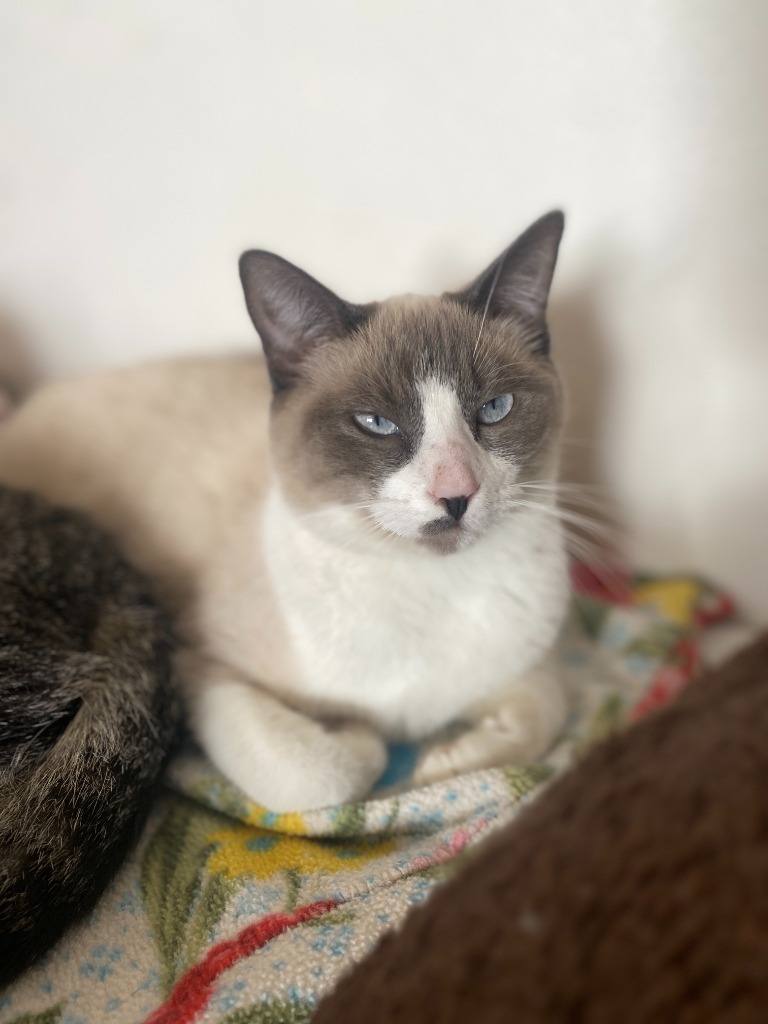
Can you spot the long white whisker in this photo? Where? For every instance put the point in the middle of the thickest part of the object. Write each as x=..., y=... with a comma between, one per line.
x=594, y=556
x=596, y=493
x=563, y=485
x=608, y=573
x=568, y=517
x=496, y=276
x=570, y=497
x=330, y=510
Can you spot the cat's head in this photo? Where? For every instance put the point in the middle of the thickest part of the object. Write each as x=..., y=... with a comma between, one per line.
x=420, y=416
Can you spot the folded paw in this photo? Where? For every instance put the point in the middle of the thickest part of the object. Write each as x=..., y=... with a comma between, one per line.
x=515, y=729
x=336, y=765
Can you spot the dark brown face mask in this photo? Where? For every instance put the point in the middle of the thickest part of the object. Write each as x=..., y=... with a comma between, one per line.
x=338, y=369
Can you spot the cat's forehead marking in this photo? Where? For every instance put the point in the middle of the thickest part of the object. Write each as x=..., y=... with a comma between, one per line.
x=405, y=343
x=442, y=414
x=448, y=455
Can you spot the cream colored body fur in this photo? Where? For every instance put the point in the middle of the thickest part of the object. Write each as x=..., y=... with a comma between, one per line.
x=283, y=624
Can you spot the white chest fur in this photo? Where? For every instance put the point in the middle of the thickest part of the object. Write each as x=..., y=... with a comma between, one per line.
x=407, y=640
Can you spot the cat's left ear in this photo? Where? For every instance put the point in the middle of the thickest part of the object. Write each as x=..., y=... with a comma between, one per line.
x=292, y=312
x=519, y=280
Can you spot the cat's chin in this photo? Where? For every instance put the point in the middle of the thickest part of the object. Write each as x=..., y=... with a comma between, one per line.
x=444, y=536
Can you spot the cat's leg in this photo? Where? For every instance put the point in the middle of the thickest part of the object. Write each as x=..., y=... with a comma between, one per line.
x=515, y=727
x=277, y=756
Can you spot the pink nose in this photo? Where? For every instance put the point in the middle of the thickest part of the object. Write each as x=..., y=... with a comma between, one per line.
x=453, y=479
x=453, y=486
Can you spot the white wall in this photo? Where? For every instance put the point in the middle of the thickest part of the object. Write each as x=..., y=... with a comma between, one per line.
x=391, y=146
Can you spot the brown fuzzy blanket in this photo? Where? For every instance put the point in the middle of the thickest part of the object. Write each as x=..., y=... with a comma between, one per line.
x=634, y=891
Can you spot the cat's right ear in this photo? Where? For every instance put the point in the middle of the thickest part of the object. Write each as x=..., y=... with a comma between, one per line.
x=518, y=282
x=292, y=312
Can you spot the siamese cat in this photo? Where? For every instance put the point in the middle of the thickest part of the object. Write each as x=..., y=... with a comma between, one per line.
x=343, y=529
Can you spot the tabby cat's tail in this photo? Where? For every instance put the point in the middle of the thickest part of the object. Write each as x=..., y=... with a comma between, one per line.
x=87, y=718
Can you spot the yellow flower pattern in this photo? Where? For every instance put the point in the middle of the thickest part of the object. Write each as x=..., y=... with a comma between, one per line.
x=245, y=851
x=291, y=824
x=675, y=599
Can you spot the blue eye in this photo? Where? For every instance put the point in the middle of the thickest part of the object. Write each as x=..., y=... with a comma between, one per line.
x=372, y=423
x=495, y=410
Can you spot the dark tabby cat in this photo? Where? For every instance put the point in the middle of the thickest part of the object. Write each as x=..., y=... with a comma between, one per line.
x=86, y=719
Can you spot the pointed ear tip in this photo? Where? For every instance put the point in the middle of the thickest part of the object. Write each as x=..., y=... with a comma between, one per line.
x=251, y=256
x=255, y=263
x=556, y=218
x=245, y=261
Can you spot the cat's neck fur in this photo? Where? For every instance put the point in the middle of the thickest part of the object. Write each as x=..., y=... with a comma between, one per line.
x=380, y=644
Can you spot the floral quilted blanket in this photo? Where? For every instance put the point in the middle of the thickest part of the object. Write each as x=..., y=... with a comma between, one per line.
x=231, y=914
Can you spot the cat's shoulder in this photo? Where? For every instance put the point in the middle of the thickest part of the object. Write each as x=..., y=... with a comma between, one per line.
x=201, y=392
x=171, y=378
x=209, y=413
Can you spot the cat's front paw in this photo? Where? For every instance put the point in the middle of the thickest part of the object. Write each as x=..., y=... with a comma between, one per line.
x=342, y=765
x=358, y=762
x=515, y=729
x=279, y=757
